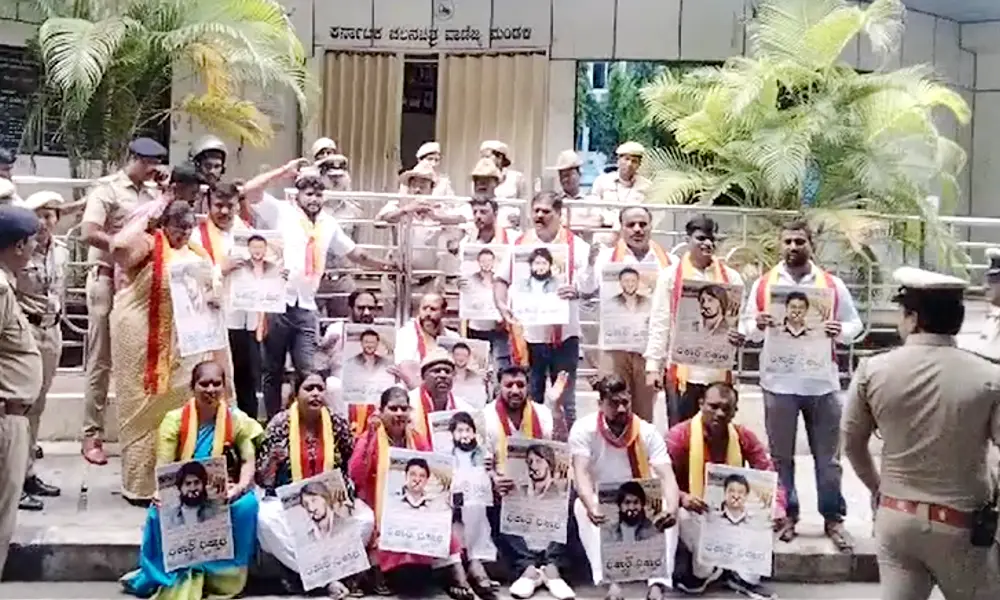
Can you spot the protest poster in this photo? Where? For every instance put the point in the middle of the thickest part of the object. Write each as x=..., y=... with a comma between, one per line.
x=626, y=301
x=416, y=513
x=796, y=343
x=257, y=285
x=198, y=318
x=537, y=508
x=460, y=434
x=537, y=273
x=195, y=526
x=737, y=532
x=632, y=549
x=326, y=537
x=706, y=313
x=472, y=368
x=367, y=359
x=475, y=296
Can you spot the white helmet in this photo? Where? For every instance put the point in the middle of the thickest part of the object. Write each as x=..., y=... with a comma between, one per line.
x=206, y=144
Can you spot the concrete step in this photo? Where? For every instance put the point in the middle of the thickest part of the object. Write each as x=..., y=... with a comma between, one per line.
x=90, y=533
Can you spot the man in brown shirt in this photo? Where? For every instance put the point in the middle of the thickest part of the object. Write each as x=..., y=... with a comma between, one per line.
x=20, y=366
x=937, y=408
x=108, y=205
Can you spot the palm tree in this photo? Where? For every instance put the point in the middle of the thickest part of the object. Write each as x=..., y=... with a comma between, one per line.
x=108, y=66
x=792, y=127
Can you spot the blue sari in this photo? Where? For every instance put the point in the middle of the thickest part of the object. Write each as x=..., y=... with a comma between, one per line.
x=220, y=579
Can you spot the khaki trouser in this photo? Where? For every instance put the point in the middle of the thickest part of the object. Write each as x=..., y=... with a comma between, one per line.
x=49, y=341
x=100, y=298
x=915, y=554
x=631, y=366
x=15, y=447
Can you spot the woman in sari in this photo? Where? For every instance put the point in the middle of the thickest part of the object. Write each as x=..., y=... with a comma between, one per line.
x=149, y=372
x=205, y=427
x=303, y=441
x=369, y=467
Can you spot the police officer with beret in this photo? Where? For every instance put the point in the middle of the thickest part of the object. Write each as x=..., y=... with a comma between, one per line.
x=20, y=367
x=937, y=408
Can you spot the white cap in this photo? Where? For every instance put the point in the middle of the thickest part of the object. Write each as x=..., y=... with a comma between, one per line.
x=921, y=279
x=428, y=148
x=43, y=199
x=323, y=143
x=8, y=191
x=631, y=149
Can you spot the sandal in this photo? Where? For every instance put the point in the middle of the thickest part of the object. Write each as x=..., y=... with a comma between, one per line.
x=337, y=591
x=656, y=591
x=379, y=586
x=614, y=592
x=839, y=536
x=787, y=533
x=484, y=587
x=354, y=588
x=460, y=592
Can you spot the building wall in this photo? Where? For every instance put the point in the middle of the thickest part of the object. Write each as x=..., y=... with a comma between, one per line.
x=573, y=30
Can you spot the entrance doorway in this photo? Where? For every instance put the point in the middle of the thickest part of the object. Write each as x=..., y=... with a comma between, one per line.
x=419, y=111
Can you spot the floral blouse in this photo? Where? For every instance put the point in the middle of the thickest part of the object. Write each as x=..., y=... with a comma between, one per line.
x=274, y=467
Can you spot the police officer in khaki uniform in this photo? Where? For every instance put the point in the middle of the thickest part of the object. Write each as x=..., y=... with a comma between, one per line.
x=41, y=287
x=20, y=367
x=937, y=408
x=988, y=343
x=108, y=205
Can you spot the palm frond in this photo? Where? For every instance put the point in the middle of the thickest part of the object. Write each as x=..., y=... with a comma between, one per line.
x=230, y=117
x=78, y=52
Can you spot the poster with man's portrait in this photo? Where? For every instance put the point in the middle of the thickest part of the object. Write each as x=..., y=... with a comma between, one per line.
x=460, y=434
x=632, y=548
x=737, y=533
x=416, y=512
x=706, y=313
x=198, y=315
x=537, y=508
x=539, y=270
x=258, y=284
x=195, y=526
x=367, y=364
x=472, y=368
x=626, y=301
x=326, y=537
x=797, y=343
x=479, y=264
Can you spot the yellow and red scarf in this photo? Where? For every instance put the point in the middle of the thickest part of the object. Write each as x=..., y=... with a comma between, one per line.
x=298, y=449
x=160, y=328
x=187, y=437
x=531, y=427
x=425, y=407
x=314, y=259
x=211, y=240
x=621, y=251
x=629, y=440
x=685, y=270
x=382, y=468
x=518, y=345
x=357, y=417
x=696, y=455
x=424, y=341
x=822, y=279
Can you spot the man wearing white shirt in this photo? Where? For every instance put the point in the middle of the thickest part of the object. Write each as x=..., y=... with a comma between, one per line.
x=685, y=384
x=614, y=445
x=309, y=234
x=634, y=246
x=551, y=349
x=417, y=338
x=816, y=396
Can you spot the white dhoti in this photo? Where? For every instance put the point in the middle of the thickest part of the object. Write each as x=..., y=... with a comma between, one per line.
x=690, y=532
x=275, y=536
x=590, y=538
x=477, y=539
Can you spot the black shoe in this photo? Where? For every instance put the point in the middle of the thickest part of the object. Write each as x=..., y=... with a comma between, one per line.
x=29, y=502
x=34, y=486
x=745, y=588
x=39, y=453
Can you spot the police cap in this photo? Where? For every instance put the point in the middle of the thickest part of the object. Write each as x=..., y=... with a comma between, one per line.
x=914, y=282
x=16, y=223
x=145, y=147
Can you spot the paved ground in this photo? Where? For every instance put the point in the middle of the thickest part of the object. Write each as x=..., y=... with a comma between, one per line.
x=109, y=591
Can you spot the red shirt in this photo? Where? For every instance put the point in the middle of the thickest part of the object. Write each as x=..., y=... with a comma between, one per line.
x=755, y=454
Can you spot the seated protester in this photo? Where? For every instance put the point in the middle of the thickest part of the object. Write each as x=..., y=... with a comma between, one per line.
x=369, y=466
x=187, y=433
x=418, y=337
x=615, y=445
x=514, y=414
x=437, y=372
x=300, y=442
x=712, y=437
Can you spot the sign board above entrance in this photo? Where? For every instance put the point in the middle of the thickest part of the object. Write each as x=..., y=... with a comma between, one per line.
x=433, y=25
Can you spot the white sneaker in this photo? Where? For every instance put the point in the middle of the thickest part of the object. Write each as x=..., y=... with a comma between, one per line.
x=526, y=584
x=559, y=589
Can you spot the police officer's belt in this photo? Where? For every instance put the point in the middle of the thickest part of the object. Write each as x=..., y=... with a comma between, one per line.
x=935, y=512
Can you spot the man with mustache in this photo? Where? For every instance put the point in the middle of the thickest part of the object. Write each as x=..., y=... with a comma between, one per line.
x=613, y=445
x=686, y=384
x=624, y=185
x=309, y=236
x=815, y=394
x=540, y=278
x=418, y=337
x=712, y=435
x=192, y=487
x=633, y=523
x=435, y=393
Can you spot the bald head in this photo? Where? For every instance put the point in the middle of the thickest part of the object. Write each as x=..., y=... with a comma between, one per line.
x=430, y=312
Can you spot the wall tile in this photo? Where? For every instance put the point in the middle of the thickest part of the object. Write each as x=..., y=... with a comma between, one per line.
x=711, y=29
x=532, y=17
x=648, y=31
x=583, y=29
x=343, y=24
x=918, y=39
x=947, y=52
x=406, y=24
